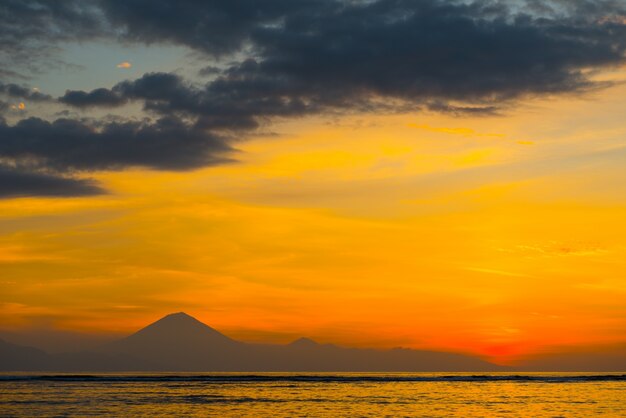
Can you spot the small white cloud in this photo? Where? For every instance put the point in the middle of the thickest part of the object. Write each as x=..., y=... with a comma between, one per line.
x=124, y=64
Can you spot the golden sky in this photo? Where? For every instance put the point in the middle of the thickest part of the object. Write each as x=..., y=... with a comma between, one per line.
x=432, y=174
x=497, y=235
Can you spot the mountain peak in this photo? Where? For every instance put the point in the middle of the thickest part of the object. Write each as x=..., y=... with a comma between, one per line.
x=179, y=316
x=177, y=328
x=176, y=339
x=304, y=342
x=179, y=321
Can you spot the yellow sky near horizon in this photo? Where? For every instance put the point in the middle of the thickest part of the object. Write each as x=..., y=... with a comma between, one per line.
x=501, y=236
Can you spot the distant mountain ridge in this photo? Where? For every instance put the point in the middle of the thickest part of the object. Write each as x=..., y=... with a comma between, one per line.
x=179, y=342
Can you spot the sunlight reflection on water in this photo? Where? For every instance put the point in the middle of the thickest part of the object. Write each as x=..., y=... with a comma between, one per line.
x=314, y=394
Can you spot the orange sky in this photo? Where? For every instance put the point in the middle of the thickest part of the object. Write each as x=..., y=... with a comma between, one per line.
x=502, y=236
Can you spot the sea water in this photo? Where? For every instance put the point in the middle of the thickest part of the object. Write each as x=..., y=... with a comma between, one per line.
x=314, y=395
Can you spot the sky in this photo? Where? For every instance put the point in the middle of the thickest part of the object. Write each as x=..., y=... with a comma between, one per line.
x=429, y=174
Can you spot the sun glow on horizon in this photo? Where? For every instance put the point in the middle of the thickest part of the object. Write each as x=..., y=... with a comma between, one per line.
x=493, y=235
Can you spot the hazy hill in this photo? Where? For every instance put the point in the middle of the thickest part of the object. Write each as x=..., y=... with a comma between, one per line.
x=179, y=342
x=600, y=359
x=16, y=357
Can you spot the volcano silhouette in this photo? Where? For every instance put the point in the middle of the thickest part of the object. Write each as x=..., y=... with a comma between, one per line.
x=179, y=342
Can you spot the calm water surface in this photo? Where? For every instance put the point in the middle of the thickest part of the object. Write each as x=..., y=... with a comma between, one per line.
x=314, y=394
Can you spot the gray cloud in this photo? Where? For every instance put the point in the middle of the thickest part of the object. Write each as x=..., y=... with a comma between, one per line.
x=414, y=50
x=294, y=58
x=22, y=92
x=98, y=97
x=32, y=29
x=214, y=26
x=215, y=106
x=67, y=145
x=22, y=183
x=443, y=107
x=319, y=55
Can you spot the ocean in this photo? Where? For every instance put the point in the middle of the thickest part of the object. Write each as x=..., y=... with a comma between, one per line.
x=314, y=395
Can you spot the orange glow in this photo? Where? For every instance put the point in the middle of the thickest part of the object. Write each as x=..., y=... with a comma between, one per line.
x=499, y=236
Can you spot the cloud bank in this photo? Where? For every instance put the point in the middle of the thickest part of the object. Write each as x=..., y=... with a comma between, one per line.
x=295, y=58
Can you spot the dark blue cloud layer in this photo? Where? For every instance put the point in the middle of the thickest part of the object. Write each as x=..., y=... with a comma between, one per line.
x=293, y=58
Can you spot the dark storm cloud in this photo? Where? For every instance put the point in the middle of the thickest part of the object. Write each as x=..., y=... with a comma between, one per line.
x=98, y=97
x=326, y=55
x=31, y=29
x=286, y=58
x=25, y=21
x=406, y=49
x=209, y=70
x=214, y=26
x=219, y=105
x=152, y=88
x=21, y=183
x=69, y=145
x=25, y=93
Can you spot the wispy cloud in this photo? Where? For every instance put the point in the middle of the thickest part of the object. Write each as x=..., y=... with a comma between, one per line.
x=496, y=272
x=455, y=131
